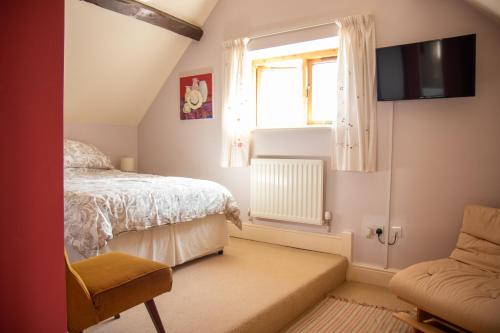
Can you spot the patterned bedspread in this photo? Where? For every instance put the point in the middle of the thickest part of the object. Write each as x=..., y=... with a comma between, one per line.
x=100, y=204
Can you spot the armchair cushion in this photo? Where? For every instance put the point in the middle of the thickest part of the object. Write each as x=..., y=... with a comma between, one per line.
x=482, y=222
x=477, y=252
x=117, y=281
x=460, y=293
x=479, y=240
x=465, y=288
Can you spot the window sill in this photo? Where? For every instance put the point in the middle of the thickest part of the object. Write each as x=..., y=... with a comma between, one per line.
x=301, y=128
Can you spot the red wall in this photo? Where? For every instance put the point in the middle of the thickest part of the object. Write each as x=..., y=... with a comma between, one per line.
x=32, y=287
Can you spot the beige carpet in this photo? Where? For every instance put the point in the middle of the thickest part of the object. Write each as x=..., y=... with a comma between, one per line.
x=253, y=287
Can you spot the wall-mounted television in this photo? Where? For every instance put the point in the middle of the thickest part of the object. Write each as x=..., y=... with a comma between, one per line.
x=432, y=69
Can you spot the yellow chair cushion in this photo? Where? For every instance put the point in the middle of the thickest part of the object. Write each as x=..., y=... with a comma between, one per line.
x=117, y=281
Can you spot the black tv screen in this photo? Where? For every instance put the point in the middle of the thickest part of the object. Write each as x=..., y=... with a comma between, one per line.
x=432, y=69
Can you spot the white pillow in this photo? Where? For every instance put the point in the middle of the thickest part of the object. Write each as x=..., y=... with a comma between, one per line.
x=82, y=155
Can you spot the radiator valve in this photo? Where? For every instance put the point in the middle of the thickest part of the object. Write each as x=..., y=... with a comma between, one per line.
x=328, y=220
x=328, y=216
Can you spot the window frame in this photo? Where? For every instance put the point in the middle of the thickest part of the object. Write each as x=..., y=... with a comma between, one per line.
x=308, y=59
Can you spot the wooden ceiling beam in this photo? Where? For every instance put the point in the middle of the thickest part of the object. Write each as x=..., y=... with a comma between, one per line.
x=151, y=15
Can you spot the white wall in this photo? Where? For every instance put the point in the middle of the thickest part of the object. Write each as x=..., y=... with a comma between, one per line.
x=114, y=64
x=446, y=152
x=116, y=141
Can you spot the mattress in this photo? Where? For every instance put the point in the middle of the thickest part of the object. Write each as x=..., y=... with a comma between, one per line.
x=172, y=244
x=100, y=205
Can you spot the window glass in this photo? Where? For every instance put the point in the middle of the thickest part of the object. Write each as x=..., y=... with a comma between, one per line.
x=279, y=98
x=296, y=90
x=323, y=91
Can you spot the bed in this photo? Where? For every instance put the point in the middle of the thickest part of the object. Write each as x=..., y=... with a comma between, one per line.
x=168, y=219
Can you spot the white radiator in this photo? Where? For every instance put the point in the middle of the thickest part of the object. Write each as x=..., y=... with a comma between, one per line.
x=287, y=189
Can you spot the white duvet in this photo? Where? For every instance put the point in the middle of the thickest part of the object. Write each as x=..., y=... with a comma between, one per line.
x=100, y=204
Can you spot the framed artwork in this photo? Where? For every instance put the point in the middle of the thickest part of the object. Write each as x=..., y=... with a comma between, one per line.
x=196, y=96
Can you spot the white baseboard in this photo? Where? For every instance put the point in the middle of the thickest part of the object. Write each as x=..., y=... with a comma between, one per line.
x=329, y=243
x=369, y=274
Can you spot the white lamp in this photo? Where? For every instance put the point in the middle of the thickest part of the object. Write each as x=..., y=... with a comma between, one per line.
x=127, y=164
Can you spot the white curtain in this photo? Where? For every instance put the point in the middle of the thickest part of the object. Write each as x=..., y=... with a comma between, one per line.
x=354, y=137
x=236, y=112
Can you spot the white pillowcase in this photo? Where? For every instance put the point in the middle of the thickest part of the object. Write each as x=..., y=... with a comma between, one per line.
x=82, y=155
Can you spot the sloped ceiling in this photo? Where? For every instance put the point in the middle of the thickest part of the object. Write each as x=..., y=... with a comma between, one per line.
x=489, y=7
x=115, y=65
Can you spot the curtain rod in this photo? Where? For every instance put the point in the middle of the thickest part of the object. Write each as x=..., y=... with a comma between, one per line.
x=292, y=30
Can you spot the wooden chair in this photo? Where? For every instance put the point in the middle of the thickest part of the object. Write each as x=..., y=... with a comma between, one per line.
x=101, y=287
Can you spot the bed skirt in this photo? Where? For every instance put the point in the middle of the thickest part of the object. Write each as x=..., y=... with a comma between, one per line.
x=171, y=244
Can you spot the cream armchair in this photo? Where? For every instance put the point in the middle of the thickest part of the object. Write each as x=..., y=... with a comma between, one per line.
x=464, y=289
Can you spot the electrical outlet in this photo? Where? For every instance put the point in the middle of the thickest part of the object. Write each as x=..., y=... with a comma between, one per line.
x=398, y=229
x=377, y=226
x=371, y=230
x=370, y=223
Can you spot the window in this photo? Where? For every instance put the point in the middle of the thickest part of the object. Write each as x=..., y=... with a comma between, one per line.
x=296, y=90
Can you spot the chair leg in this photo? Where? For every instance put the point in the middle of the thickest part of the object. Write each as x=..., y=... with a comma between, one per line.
x=421, y=317
x=155, y=317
